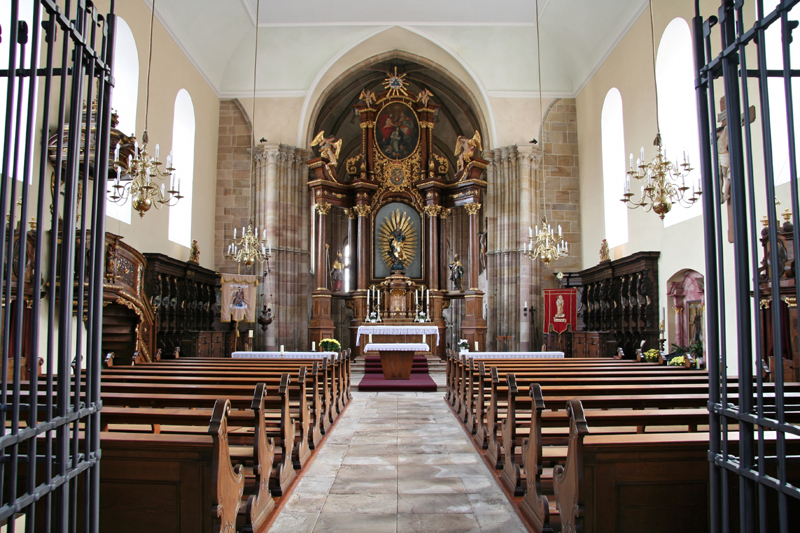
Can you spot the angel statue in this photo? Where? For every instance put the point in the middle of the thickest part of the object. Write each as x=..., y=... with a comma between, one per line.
x=465, y=149
x=329, y=147
x=367, y=96
x=424, y=96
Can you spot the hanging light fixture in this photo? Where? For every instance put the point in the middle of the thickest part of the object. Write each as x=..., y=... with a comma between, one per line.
x=136, y=177
x=664, y=182
x=543, y=243
x=249, y=248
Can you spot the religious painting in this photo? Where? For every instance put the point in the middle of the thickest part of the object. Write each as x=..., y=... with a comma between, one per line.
x=397, y=131
x=695, y=317
x=560, y=310
x=239, y=294
x=397, y=241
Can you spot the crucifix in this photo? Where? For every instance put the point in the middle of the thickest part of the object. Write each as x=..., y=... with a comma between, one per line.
x=725, y=159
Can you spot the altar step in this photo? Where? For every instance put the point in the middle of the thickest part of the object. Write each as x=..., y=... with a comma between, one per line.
x=435, y=365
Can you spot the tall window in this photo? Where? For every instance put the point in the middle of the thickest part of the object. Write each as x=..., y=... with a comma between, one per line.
x=180, y=215
x=19, y=129
x=124, y=98
x=613, y=141
x=777, y=96
x=677, y=108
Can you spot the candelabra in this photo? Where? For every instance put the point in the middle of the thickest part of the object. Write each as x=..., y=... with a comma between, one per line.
x=248, y=248
x=138, y=182
x=664, y=183
x=545, y=245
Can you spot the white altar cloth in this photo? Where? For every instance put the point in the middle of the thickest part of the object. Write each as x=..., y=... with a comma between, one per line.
x=285, y=355
x=514, y=355
x=396, y=347
x=415, y=329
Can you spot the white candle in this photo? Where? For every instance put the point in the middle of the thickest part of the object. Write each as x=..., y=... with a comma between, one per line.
x=313, y=346
x=526, y=304
x=428, y=300
x=250, y=333
x=157, y=150
x=476, y=346
x=530, y=232
x=559, y=230
x=663, y=312
x=631, y=165
x=368, y=303
x=281, y=349
x=116, y=153
x=234, y=233
x=642, y=153
x=416, y=297
x=265, y=235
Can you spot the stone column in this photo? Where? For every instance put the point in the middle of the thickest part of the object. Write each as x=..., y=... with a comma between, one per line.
x=473, y=209
x=323, y=208
x=528, y=159
x=270, y=194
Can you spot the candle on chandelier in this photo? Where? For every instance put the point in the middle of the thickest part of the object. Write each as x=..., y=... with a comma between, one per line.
x=116, y=153
x=264, y=238
x=157, y=150
x=631, y=163
x=530, y=232
x=136, y=148
x=642, y=152
x=234, y=233
x=537, y=230
x=559, y=230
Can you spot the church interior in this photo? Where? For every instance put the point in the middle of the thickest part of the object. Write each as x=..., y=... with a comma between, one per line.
x=421, y=266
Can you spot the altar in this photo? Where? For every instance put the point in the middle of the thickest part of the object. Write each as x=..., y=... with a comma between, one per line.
x=397, y=357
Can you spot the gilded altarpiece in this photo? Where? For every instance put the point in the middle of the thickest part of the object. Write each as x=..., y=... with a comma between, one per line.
x=397, y=194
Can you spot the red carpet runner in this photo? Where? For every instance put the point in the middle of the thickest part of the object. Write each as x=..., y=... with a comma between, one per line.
x=374, y=381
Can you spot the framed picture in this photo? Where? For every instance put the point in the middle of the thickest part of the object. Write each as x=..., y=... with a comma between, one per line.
x=397, y=131
x=695, y=322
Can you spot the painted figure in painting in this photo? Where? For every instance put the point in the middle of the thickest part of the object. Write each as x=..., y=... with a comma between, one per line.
x=396, y=131
x=456, y=273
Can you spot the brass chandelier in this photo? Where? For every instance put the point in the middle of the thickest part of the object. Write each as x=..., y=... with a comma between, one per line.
x=664, y=182
x=137, y=177
x=543, y=243
x=249, y=248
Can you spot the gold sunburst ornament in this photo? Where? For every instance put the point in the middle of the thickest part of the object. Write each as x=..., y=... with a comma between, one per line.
x=395, y=84
x=397, y=240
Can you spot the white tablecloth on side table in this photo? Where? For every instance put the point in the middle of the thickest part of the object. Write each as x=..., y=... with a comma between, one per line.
x=397, y=330
x=285, y=355
x=515, y=355
x=396, y=347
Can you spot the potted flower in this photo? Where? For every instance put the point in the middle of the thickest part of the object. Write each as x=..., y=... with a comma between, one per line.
x=422, y=317
x=463, y=345
x=330, y=345
x=373, y=317
x=651, y=355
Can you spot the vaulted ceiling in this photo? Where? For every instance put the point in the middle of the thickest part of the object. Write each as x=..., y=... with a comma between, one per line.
x=496, y=41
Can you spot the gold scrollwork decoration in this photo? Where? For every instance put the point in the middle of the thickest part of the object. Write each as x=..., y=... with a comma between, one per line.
x=444, y=213
x=473, y=208
x=432, y=210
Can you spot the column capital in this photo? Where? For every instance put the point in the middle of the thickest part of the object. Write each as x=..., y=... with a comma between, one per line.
x=432, y=210
x=323, y=208
x=472, y=208
x=362, y=210
x=444, y=213
x=351, y=214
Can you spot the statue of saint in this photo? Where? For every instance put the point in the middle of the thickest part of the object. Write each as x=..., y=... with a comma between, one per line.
x=456, y=273
x=396, y=248
x=194, y=253
x=337, y=272
x=560, y=306
x=604, y=253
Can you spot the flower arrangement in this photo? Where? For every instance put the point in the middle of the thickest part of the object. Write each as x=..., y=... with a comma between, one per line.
x=651, y=355
x=330, y=345
x=422, y=317
x=373, y=317
x=463, y=345
x=677, y=361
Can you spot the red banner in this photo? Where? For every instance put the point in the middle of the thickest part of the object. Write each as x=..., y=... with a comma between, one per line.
x=560, y=309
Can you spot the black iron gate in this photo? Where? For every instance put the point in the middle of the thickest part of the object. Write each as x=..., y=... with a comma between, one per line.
x=56, y=143
x=752, y=461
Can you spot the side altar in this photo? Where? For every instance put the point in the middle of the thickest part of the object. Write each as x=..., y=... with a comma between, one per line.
x=397, y=189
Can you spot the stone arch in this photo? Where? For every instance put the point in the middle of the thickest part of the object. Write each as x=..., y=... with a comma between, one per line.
x=380, y=46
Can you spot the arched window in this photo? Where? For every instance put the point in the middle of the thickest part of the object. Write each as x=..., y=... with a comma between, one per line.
x=613, y=144
x=124, y=98
x=777, y=96
x=18, y=130
x=180, y=215
x=677, y=107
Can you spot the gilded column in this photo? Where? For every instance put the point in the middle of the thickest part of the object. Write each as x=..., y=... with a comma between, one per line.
x=433, y=245
x=473, y=209
x=323, y=208
x=363, y=212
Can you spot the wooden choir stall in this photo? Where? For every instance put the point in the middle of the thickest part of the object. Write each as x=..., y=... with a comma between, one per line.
x=397, y=190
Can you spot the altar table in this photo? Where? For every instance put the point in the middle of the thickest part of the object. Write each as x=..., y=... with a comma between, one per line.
x=397, y=358
x=284, y=355
x=514, y=355
x=414, y=329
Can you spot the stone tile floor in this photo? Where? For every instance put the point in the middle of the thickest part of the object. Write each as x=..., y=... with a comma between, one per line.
x=398, y=462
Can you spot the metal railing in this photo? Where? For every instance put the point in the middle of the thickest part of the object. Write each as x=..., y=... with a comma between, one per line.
x=56, y=121
x=749, y=463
